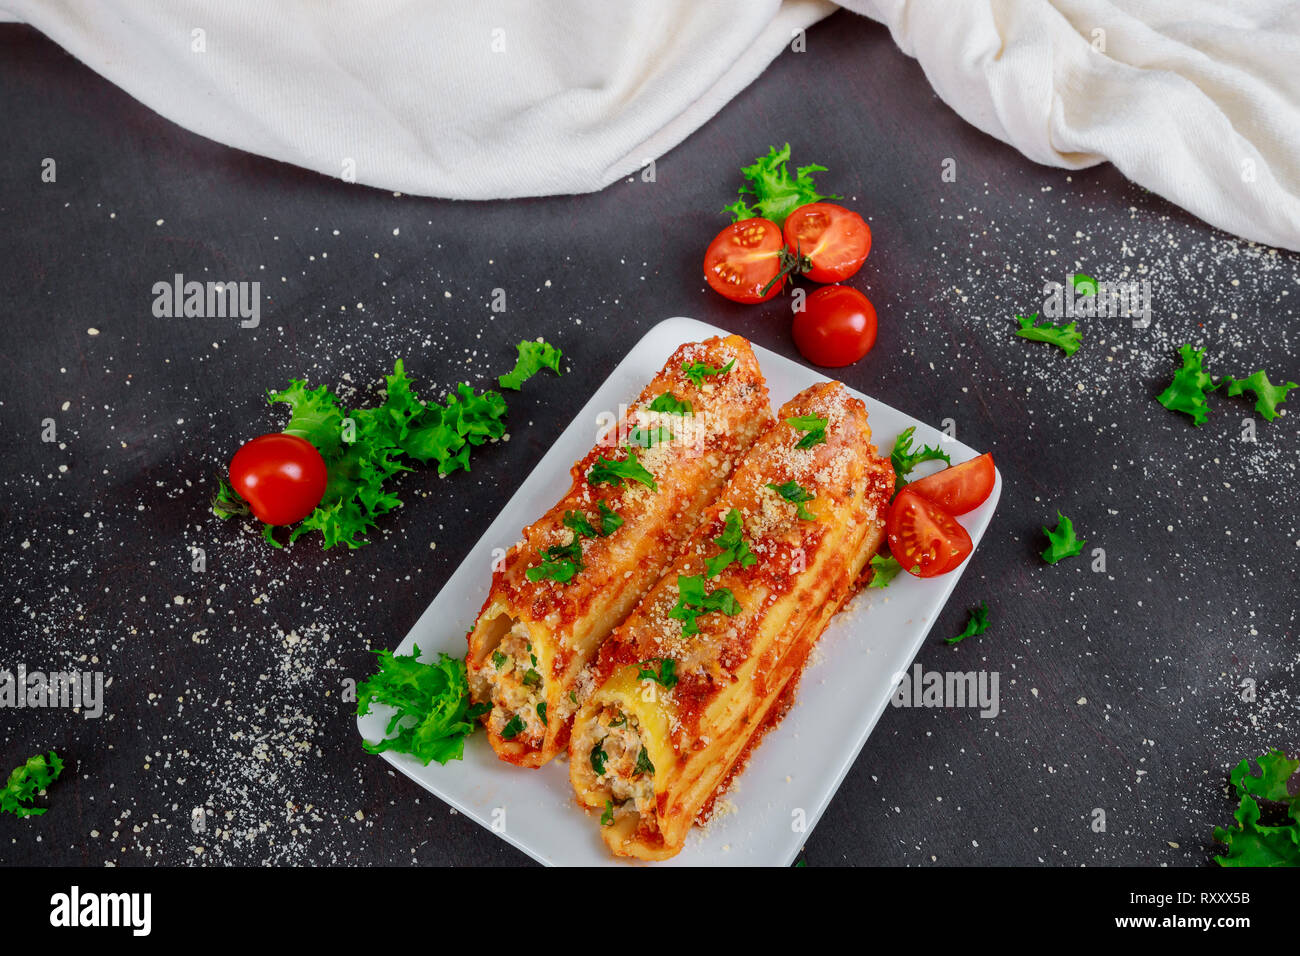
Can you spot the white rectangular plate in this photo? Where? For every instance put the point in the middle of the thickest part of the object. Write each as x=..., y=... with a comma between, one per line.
x=845, y=688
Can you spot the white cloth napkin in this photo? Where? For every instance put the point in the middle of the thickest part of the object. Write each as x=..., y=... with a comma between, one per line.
x=1197, y=100
x=468, y=99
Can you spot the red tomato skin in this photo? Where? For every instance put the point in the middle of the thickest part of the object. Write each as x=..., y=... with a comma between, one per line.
x=946, y=547
x=743, y=258
x=282, y=477
x=836, y=327
x=959, y=488
x=841, y=240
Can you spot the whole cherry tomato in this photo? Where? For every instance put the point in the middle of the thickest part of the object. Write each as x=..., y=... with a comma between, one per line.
x=836, y=327
x=282, y=477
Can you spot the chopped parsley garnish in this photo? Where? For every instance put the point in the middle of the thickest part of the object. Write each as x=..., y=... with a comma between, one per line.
x=643, y=764
x=533, y=357
x=771, y=192
x=27, y=781
x=433, y=713
x=577, y=522
x=541, y=712
x=665, y=676
x=1186, y=393
x=1065, y=337
x=797, y=495
x=813, y=425
x=607, y=818
x=1061, y=540
x=885, y=568
x=598, y=757
x=560, y=562
x=696, y=371
x=692, y=601
x=1250, y=842
x=499, y=660
x=977, y=623
x=904, y=458
x=573, y=696
x=532, y=678
x=668, y=402
x=732, y=543
x=609, y=520
x=1267, y=395
x=614, y=472
x=648, y=437
x=513, y=728
x=621, y=722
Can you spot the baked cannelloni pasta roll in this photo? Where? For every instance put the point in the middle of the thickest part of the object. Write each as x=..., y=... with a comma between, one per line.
x=709, y=660
x=582, y=567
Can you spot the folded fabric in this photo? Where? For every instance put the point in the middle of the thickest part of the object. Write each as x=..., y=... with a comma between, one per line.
x=1196, y=100
x=468, y=100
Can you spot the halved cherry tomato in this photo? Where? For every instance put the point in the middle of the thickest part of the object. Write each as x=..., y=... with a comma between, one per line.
x=743, y=259
x=835, y=240
x=960, y=488
x=836, y=327
x=926, y=540
x=282, y=477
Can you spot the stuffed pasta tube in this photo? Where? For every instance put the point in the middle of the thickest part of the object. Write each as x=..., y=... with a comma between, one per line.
x=710, y=658
x=581, y=568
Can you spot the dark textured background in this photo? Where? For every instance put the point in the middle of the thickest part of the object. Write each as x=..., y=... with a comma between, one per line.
x=1120, y=690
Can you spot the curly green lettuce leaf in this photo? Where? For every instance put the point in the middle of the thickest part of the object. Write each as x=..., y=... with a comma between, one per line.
x=355, y=493
x=433, y=714
x=1267, y=395
x=771, y=192
x=977, y=623
x=226, y=502
x=445, y=434
x=1065, y=337
x=315, y=415
x=27, y=782
x=533, y=357
x=1275, y=770
x=1250, y=842
x=1061, y=542
x=884, y=568
x=905, y=458
x=1186, y=393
